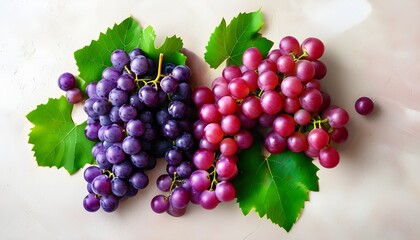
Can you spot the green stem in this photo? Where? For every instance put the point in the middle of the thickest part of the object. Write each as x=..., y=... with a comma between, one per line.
x=174, y=180
x=213, y=178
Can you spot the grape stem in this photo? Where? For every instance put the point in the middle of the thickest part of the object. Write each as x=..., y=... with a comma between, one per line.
x=318, y=122
x=147, y=81
x=159, y=74
x=128, y=70
x=174, y=180
x=297, y=58
x=110, y=174
x=213, y=176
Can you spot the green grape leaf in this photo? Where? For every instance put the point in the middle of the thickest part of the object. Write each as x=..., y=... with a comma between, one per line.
x=93, y=59
x=57, y=140
x=277, y=186
x=230, y=41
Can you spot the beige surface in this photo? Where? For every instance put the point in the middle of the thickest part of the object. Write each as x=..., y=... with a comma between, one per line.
x=372, y=48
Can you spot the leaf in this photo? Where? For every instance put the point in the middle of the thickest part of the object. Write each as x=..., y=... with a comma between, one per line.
x=93, y=59
x=229, y=42
x=276, y=187
x=57, y=140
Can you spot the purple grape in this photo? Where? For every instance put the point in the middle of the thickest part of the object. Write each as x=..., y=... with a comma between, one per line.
x=208, y=199
x=200, y=180
x=101, y=185
x=119, y=58
x=113, y=133
x=169, y=84
x=195, y=196
x=171, y=169
x=88, y=108
x=139, y=65
x=109, y=203
x=179, y=198
x=91, y=173
x=103, y=87
x=149, y=96
x=66, y=81
x=135, y=102
x=105, y=120
x=91, y=120
x=184, y=169
x=167, y=68
x=127, y=112
x=91, y=90
x=163, y=98
x=91, y=203
x=162, y=116
x=115, y=154
x=126, y=83
x=99, y=147
x=102, y=161
x=135, y=52
x=118, y=97
x=176, y=212
x=123, y=169
x=111, y=73
x=107, y=144
x=177, y=109
x=183, y=93
x=139, y=180
x=164, y=182
x=89, y=188
x=119, y=186
x=91, y=131
x=159, y=204
x=174, y=156
x=131, y=192
x=225, y=191
x=101, y=106
x=274, y=143
x=114, y=115
x=74, y=96
x=140, y=160
x=131, y=145
x=364, y=105
x=171, y=129
x=135, y=128
x=185, y=141
x=181, y=73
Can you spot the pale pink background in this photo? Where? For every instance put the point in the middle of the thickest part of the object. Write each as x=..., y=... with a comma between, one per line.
x=372, y=49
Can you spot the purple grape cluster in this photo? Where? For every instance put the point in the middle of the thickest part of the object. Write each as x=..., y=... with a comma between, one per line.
x=136, y=113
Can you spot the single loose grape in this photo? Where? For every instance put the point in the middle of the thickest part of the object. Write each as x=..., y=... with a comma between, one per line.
x=364, y=106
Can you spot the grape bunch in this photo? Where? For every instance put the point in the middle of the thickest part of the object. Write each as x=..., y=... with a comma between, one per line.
x=137, y=112
x=281, y=96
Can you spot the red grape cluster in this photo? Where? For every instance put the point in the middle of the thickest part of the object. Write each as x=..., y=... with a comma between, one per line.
x=281, y=97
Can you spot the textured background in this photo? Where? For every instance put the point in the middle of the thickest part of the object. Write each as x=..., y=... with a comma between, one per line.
x=372, y=48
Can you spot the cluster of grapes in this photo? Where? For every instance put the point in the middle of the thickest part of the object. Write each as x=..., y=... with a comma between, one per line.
x=305, y=121
x=281, y=95
x=137, y=112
